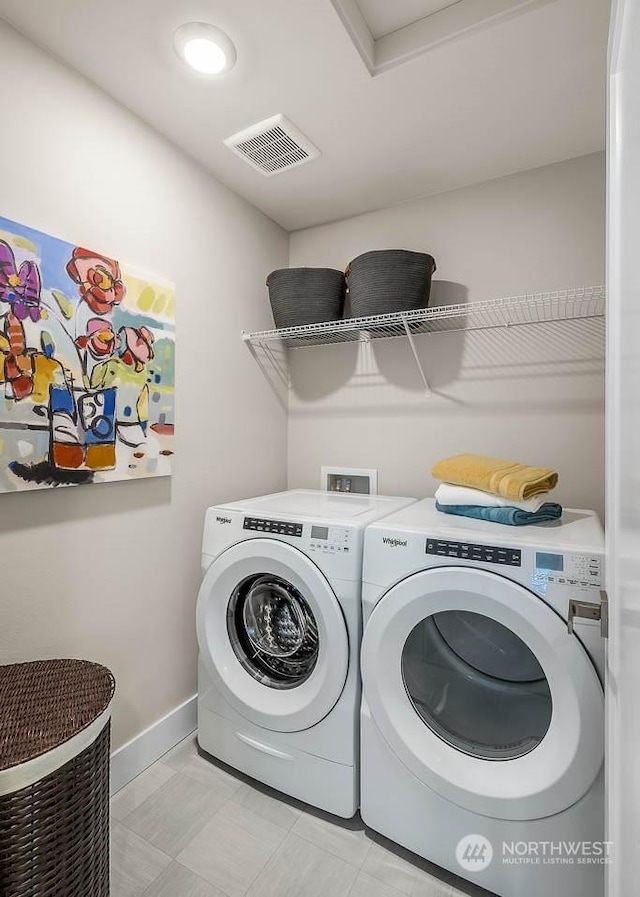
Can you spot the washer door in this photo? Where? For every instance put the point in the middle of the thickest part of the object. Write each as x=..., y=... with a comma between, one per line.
x=478, y=689
x=272, y=635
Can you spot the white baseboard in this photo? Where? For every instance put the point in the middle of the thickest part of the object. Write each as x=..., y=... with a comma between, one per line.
x=136, y=755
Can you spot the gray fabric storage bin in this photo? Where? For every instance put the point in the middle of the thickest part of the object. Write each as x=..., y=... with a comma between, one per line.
x=305, y=295
x=389, y=280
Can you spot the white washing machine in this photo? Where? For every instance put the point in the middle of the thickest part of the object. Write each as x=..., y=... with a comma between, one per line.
x=482, y=717
x=279, y=623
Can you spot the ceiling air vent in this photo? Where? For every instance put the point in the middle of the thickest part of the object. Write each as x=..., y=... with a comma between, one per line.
x=272, y=146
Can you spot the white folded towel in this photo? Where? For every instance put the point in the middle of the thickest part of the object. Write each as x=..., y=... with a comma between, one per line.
x=463, y=495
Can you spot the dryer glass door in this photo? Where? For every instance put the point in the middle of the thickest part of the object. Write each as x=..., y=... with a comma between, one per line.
x=476, y=685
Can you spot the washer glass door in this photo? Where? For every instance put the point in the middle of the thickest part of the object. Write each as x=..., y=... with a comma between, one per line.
x=273, y=631
x=476, y=685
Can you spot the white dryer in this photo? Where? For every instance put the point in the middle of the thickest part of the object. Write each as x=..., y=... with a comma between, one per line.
x=482, y=716
x=279, y=625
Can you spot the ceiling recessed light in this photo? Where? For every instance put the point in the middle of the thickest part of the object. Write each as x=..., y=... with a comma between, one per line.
x=205, y=48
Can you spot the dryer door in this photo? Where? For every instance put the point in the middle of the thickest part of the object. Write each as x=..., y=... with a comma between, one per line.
x=479, y=690
x=272, y=635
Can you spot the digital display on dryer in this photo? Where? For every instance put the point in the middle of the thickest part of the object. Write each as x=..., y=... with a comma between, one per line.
x=553, y=562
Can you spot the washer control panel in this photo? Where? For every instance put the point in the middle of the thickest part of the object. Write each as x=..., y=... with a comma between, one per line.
x=330, y=539
x=486, y=554
x=281, y=527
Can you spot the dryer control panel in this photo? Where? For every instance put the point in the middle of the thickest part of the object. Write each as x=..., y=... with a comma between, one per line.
x=486, y=554
x=582, y=570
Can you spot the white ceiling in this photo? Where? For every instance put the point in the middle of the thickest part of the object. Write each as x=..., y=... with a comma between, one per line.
x=522, y=93
x=384, y=17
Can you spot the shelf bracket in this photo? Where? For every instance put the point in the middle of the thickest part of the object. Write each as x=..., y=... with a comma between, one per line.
x=278, y=379
x=416, y=357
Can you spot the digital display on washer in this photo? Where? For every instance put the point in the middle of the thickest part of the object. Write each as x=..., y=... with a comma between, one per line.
x=319, y=532
x=281, y=527
x=486, y=554
x=549, y=561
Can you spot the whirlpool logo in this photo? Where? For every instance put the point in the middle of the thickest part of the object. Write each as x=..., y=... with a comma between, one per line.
x=223, y=519
x=394, y=543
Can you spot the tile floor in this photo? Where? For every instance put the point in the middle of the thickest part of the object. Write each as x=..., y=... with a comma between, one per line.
x=188, y=827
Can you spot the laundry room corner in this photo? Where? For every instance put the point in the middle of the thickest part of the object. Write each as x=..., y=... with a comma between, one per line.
x=112, y=572
x=319, y=426
x=535, y=392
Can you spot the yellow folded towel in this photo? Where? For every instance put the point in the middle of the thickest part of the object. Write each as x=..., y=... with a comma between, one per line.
x=506, y=478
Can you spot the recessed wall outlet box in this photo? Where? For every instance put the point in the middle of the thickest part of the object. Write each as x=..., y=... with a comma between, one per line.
x=359, y=480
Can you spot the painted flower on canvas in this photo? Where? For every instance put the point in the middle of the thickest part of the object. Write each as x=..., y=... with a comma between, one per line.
x=99, y=279
x=19, y=286
x=99, y=339
x=137, y=348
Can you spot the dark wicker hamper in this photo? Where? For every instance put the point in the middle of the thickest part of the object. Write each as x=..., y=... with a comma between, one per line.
x=54, y=779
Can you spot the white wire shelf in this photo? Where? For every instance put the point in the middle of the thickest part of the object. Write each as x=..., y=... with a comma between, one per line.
x=533, y=308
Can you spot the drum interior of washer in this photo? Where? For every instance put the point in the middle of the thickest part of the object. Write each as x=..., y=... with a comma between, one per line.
x=273, y=631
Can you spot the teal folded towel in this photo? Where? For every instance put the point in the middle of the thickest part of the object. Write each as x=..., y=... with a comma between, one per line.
x=506, y=516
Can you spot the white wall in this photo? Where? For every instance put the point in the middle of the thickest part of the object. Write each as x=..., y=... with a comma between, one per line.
x=111, y=572
x=533, y=393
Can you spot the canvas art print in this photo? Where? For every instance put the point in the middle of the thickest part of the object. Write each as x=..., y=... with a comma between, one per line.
x=86, y=366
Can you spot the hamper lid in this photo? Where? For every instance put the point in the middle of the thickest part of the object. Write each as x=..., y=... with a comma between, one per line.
x=45, y=703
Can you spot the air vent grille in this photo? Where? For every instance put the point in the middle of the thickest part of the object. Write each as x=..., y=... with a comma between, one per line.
x=273, y=150
x=272, y=146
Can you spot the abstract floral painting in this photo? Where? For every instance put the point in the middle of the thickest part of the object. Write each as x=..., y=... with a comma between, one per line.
x=87, y=353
